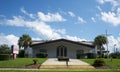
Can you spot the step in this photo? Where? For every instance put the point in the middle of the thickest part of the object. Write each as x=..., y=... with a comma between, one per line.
x=74, y=67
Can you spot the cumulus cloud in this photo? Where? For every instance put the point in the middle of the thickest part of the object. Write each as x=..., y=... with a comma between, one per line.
x=26, y=13
x=113, y=41
x=93, y=19
x=81, y=20
x=111, y=17
x=71, y=14
x=56, y=17
x=15, y=21
x=38, y=25
x=41, y=28
x=114, y=3
x=74, y=38
x=8, y=39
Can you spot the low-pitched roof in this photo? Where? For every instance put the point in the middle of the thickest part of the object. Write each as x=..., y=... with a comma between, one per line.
x=88, y=44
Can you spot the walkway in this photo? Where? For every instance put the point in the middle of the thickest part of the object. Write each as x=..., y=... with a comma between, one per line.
x=53, y=63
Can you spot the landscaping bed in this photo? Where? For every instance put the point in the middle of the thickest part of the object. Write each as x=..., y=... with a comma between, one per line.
x=22, y=63
x=114, y=64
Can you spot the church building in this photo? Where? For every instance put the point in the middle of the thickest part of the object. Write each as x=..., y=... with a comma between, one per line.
x=63, y=48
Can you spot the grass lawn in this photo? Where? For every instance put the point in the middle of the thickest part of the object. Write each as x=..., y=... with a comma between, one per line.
x=20, y=62
x=115, y=63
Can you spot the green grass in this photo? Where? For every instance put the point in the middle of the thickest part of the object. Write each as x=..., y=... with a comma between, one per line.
x=20, y=62
x=115, y=63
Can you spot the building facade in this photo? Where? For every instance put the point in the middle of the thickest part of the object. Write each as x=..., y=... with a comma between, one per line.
x=63, y=48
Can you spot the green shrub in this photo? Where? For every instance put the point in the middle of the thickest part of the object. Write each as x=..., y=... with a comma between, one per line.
x=35, y=61
x=99, y=62
x=4, y=49
x=91, y=55
x=21, y=53
x=4, y=56
x=115, y=55
x=79, y=56
x=41, y=55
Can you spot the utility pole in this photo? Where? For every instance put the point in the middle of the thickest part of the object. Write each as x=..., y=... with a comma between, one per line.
x=106, y=35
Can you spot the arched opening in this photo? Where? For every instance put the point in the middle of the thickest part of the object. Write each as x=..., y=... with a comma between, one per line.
x=61, y=51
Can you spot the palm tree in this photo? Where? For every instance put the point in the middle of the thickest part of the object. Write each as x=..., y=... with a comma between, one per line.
x=24, y=41
x=99, y=41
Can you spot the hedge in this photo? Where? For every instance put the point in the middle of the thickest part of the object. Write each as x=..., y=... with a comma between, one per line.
x=41, y=55
x=4, y=56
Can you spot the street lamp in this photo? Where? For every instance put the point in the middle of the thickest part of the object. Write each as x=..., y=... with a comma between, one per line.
x=114, y=47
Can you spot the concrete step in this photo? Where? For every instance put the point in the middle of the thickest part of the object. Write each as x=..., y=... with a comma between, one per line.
x=70, y=67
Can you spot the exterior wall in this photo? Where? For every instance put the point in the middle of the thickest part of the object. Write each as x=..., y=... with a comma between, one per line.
x=52, y=49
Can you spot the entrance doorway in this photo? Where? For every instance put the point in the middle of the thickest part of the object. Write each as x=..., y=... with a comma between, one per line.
x=61, y=51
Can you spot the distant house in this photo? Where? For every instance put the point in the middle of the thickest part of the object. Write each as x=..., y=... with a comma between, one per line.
x=63, y=48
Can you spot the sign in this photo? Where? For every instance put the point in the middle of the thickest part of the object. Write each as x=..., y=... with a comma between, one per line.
x=15, y=49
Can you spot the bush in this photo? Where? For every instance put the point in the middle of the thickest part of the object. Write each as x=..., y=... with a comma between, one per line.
x=41, y=55
x=79, y=56
x=91, y=55
x=99, y=62
x=115, y=55
x=35, y=61
x=21, y=53
x=4, y=56
x=4, y=49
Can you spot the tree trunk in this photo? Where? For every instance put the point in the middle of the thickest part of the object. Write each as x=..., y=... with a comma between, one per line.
x=100, y=51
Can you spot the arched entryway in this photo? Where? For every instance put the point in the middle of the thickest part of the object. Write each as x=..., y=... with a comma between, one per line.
x=61, y=51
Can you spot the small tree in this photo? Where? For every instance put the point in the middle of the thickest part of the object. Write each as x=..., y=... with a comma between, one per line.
x=24, y=41
x=4, y=52
x=4, y=49
x=99, y=41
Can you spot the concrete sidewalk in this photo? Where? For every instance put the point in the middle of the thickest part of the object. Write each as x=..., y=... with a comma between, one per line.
x=53, y=63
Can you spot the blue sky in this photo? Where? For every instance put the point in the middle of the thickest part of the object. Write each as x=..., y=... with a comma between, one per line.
x=70, y=19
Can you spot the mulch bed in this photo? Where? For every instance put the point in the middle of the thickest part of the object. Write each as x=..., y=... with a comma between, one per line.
x=33, y=66
x=102, y=67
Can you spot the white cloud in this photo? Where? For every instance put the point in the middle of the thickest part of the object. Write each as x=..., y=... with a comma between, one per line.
x=112, y=41
x=8, y=39
x=114, y=3
x=71, y=14
x=99, y=8
x=43, y=29
x=101, y=1
x=61, y=31
x=26, y=13
x=93, y=19
x=81, y=20
x=74, y=38
x=38, y=26
x=56, y=17
x=111, y=17
x=16, y=21
x=33, y=38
